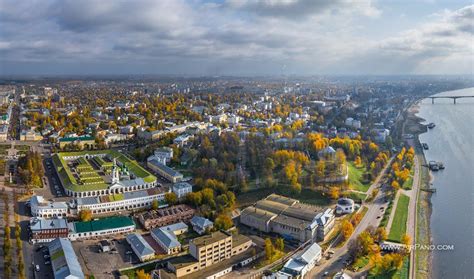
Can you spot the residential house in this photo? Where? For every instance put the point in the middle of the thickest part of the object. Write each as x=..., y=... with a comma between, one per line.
x=201, y=225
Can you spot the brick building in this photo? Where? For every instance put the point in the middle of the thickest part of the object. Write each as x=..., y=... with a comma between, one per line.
x=166, y=216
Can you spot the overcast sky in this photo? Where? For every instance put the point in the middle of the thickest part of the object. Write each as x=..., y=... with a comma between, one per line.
x=236, y=37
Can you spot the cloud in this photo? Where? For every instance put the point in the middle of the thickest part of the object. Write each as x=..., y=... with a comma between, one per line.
x=230, y=37
x=300, y=9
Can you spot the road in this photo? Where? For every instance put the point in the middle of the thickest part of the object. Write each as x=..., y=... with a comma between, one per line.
x=336, y=263
x=412, y=211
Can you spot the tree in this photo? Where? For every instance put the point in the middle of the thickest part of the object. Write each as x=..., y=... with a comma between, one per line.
x=358, y=161
x=142, y=275
x=85, y=215
x=207, y=195
x=269, y=249
x=321, y=168
x=171, y=198
x=395, y=185
x=280, y=244
x=397, y=261
x=194, y=198
x=355, y=220
x=155, y=204
x=223, y=222
x=381, y=234
x=334, y=193
x=347, y=229
x=406, y=239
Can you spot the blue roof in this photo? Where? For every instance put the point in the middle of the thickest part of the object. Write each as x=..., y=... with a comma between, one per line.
x=37, y=224
x=175, y=227
x=139, y=245
x=168, y=239
x=64, y=260
x=201, y=222
x=165, y=168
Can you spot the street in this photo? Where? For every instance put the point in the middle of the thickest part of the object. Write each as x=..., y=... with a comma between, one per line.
x=336, y=263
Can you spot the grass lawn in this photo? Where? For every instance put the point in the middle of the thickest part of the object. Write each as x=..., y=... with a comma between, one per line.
x=360, y=263
x=402, y=273
x=356, y=178
x=356, y=196
x=399, y=222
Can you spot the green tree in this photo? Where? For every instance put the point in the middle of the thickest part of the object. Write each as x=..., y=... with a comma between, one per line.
x=280, y=244
x=223, y=222
x=155, y=204
x=194, y=198
x=171, y=198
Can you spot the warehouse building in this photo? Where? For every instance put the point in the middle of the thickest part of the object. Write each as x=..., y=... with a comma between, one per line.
x=285, y=216
x=64, y=261
x=165, y=171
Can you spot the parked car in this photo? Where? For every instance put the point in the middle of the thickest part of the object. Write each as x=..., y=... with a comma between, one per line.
x=37, y=268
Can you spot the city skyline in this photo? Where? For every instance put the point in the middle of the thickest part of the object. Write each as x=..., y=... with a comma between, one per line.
x=236, y=37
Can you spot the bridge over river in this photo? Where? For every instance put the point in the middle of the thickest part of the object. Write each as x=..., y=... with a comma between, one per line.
x=449, y=97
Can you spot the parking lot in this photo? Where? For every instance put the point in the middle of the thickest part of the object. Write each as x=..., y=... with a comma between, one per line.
x=103, y=264
x=52, y=188
x=41, y=259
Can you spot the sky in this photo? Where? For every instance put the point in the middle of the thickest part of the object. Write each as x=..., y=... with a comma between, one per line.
x=236, y=37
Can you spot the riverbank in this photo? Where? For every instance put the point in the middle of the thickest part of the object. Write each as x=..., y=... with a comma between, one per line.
x=422, y=258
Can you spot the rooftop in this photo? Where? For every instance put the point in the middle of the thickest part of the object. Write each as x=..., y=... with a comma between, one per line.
x=166, y=237
x=37, y=224
x=64, y=260
x=165, y=168
x=103, y=224
x=69, y=181
x=208, y=239
x=141, y=247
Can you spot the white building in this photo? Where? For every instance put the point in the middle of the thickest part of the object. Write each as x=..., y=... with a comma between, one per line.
x=182, y=140
x=234, y=119
x=119, y=202
x=47, y=209
x=166, y=237
x=356, y=124
x=348, y=121
x=299, y=265
x=345, y=206
x=162, y=155
x=111, y=138
x=181, y=189
x=221, y=118
x=100, y=228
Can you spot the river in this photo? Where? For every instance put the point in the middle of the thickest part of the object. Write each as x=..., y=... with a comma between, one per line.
x=452, y=219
